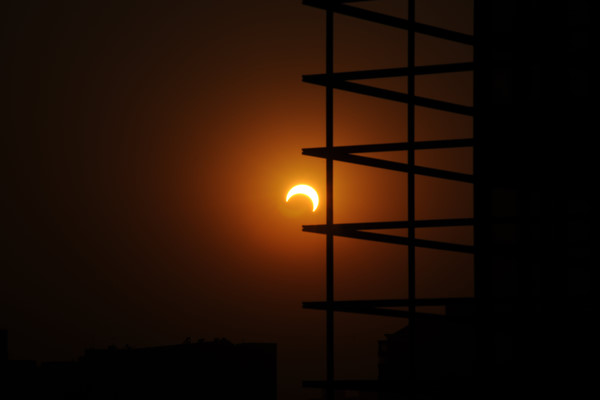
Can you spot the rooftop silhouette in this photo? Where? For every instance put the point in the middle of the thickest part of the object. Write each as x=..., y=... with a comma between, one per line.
x=204, y=369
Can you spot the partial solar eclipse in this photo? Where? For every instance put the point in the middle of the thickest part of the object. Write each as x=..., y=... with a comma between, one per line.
x=305, y=190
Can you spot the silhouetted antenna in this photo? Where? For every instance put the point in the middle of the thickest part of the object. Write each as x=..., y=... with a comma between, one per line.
x=350, y=154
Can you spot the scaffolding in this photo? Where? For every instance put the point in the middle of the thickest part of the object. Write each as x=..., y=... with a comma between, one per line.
x=346, y=81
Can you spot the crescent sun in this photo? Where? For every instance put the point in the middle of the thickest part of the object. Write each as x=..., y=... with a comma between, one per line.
x=305, y=190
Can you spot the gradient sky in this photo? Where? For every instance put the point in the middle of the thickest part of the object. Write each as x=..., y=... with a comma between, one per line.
x=147, y=147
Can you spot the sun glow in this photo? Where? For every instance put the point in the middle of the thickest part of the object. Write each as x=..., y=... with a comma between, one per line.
x=305, y=190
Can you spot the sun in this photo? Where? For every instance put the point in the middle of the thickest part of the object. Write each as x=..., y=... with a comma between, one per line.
x=305, y=190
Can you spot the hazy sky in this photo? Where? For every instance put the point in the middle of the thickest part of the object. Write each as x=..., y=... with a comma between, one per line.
x=147, y=147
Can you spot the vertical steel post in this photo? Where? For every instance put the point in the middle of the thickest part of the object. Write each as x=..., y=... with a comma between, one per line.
x=481, y=212
x=411, y=188
x=329, y=178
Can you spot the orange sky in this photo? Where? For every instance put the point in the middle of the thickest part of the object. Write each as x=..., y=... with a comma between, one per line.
x=149, y=147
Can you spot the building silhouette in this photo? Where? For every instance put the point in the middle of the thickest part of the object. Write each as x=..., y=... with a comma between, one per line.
x=205, y=369
x=535, y=200
x=445, y=350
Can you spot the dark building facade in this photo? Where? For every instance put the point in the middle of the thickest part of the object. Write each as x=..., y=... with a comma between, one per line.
x=534, y=197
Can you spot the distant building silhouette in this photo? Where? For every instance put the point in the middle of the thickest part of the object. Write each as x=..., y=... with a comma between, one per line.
x=217, y=369
x=211, y=370
x=445, y=349
x=3, y=346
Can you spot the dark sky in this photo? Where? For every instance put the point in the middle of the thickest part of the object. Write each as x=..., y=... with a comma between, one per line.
x=147, y=147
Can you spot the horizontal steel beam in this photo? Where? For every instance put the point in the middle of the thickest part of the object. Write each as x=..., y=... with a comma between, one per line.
x=394, y=166
x=426, y=223
x=356, y=384
x=378, y=237
x=395, y=72
x=381, y=312
x=324, y=80
x=401, y=384
x=321, y=305
x=400, y=146
x=390, y=20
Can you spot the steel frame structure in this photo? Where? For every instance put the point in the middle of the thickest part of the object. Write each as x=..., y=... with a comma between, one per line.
x=351, y=154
